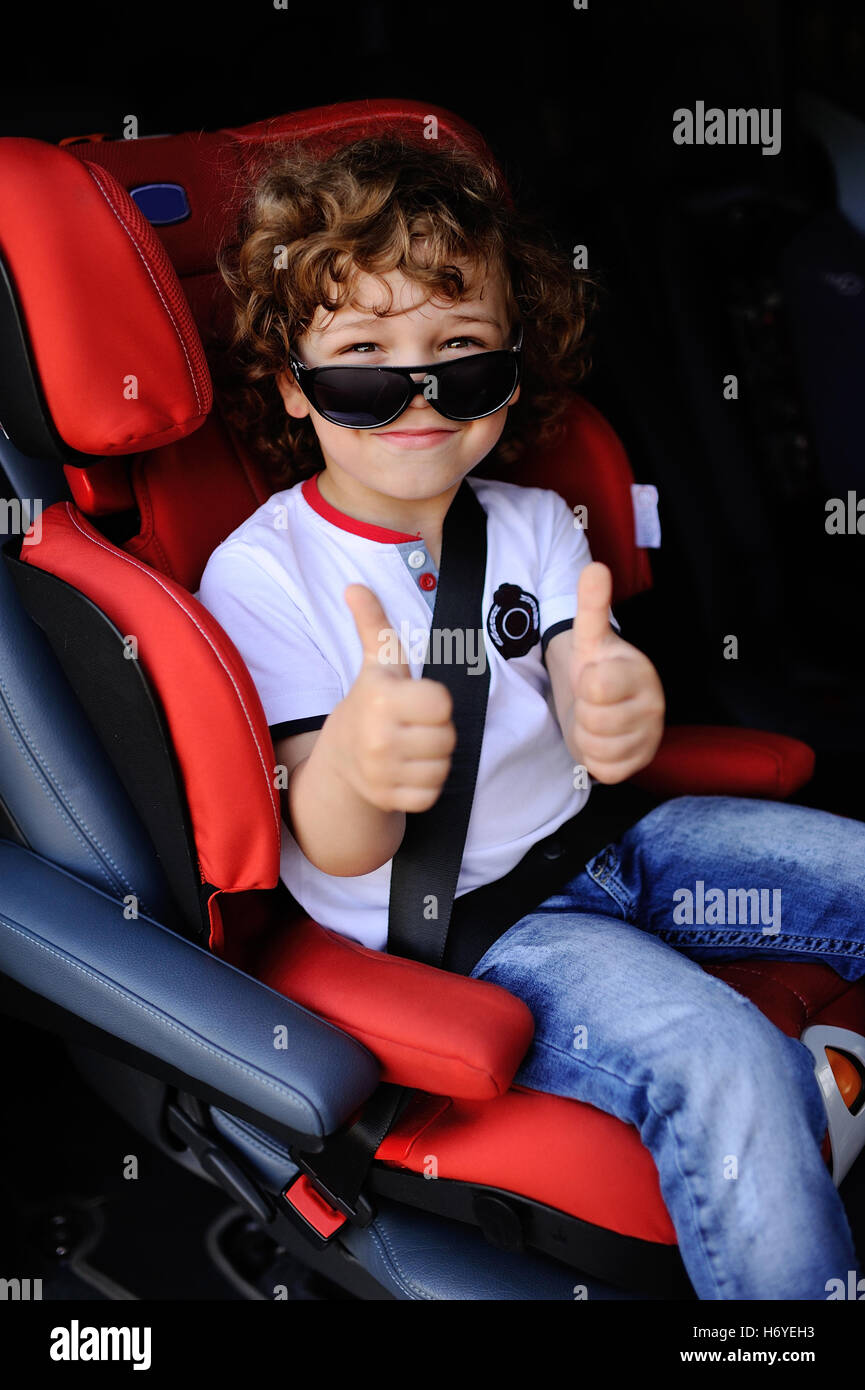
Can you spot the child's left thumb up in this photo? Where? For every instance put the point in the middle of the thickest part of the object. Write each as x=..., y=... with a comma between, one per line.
x=601, y=665
x=594, y=597
x=592, y=629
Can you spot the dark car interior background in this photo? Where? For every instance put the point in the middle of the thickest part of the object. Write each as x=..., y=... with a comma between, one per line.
x=125, y=1142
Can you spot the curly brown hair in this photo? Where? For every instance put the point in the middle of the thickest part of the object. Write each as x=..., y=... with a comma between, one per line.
x=365, y=207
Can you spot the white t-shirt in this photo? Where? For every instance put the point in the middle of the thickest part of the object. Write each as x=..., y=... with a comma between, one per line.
x=276, y=586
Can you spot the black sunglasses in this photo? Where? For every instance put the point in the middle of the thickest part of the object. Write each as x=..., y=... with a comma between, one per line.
x=365, y=398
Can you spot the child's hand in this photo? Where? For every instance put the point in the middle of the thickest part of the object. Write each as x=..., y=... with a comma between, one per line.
x=395, y=733
x=617, y=718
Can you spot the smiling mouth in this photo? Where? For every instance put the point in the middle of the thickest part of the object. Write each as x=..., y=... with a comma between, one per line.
x=416, y=440
x=413, y=434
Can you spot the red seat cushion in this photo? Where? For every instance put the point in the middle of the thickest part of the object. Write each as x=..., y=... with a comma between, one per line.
x=563, y=1153
x=717, y=760
x=429, y=1028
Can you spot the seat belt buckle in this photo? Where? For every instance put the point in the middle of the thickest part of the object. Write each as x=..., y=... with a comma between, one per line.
x=316, y=1211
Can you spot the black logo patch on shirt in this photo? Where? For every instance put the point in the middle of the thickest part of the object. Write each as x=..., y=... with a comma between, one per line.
x=513, y=621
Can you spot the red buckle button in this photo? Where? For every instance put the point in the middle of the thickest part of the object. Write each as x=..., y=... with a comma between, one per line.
x=309, y=1204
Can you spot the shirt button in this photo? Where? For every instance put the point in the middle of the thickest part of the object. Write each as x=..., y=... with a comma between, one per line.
x=416, y=559
x=427, y=581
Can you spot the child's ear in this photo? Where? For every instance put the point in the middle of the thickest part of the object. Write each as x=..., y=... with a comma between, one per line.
x=293, y=399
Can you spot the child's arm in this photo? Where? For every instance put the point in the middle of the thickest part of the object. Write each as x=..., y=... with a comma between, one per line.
x=608, y=696
x=383, y=750
x=337, y=830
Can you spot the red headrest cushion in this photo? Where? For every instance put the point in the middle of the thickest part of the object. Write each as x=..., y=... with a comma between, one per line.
x=119, y=359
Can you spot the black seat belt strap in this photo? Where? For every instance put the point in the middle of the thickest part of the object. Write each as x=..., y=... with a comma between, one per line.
x=339, y=1171
x=425, y=868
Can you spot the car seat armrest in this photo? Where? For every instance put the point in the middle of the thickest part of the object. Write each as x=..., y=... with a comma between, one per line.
x=722, y=760
x=174, y=1001
x=430, y=1029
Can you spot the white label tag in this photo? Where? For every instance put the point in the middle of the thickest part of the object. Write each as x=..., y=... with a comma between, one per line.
x=647, y=523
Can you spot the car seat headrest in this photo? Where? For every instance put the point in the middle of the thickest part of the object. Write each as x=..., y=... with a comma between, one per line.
x=101, y=354
x=211, y=172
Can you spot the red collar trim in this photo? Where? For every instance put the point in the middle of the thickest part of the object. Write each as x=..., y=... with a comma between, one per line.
x=318, y=503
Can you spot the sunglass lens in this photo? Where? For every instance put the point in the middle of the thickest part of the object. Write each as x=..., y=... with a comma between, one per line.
x=356, y=397
x=476, y=386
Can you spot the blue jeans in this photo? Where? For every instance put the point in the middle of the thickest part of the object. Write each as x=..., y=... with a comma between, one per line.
x=625, y=1019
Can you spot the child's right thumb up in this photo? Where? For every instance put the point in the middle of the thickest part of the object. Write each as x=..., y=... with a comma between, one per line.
x=382, y=648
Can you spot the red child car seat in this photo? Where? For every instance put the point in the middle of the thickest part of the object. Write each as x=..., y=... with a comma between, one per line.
x=110, y=380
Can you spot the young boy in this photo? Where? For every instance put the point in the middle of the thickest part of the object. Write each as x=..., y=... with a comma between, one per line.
x=384, y=256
